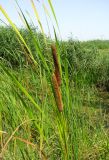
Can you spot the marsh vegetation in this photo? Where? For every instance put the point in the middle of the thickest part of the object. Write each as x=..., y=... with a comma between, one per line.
x=32, y=126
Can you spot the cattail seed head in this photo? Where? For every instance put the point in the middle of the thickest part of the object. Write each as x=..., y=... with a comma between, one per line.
x=57, y=91
x=56, y=64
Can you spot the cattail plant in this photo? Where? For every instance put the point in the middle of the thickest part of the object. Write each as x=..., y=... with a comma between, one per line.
x=56, y=80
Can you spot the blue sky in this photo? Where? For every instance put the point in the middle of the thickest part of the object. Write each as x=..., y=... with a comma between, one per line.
x=83, y=19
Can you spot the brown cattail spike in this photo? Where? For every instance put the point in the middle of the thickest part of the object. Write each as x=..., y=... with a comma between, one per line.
x=57, y=91
x=56, y=64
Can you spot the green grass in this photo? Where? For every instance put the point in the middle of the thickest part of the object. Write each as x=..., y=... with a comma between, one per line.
x=31, y=127
x=80, y=132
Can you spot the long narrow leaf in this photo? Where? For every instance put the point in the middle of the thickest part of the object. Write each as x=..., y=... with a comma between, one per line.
x=58, y=49
x=35, y=40
x=38, y=19
x=53, y=12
